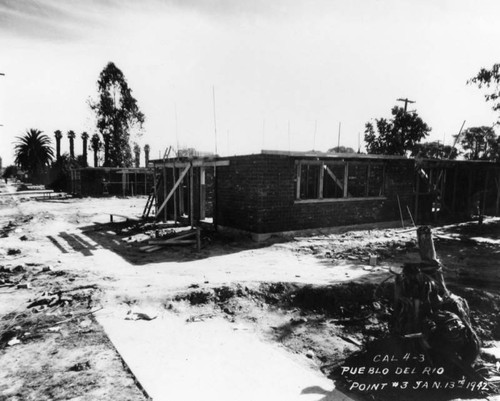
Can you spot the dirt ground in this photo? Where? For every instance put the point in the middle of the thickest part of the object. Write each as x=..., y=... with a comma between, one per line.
x=63, y=267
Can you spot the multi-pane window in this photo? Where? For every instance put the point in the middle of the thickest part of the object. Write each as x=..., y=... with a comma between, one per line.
x=337, y=180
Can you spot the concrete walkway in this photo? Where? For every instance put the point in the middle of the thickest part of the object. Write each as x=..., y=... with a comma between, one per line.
x=211, y=360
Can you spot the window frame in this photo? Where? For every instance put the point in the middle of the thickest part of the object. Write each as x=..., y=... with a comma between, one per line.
x=323, y=165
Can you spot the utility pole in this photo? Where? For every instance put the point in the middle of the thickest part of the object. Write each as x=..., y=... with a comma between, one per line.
x=2, y=74
x=338, y=140
x=406, y=101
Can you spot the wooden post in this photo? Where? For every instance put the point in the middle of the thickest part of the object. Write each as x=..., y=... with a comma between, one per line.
x=191, y=195
x=400, y=212
x=198, y=239
x=426, y=244
x=367, y=183
x=417, y=196
x=124, y=183
x=299, y=170
x=428, y=255
x=469, y=192
x=497, y=208
x=484, y=194
x=443, y=189
x=454, y=193
x=202, y=193
x=175, y=194
x=346, y=179
x=164, y=171
x=320, y=178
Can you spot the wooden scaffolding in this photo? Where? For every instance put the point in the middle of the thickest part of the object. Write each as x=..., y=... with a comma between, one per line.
x=456, y=189
x=184, y=191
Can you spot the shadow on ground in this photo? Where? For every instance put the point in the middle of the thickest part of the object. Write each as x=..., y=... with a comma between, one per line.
x=118, y=238
x=66, y=243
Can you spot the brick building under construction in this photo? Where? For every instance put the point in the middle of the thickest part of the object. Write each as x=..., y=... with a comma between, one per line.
x=281, y=192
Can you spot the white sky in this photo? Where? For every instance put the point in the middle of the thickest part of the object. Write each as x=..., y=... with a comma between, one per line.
x=273, y=64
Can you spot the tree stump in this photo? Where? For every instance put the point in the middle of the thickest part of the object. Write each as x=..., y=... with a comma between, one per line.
x=424, y=308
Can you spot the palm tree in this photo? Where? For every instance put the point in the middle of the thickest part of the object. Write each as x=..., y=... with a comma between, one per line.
x=85, y=137
x=71, y=136
x=33, y=153
x=95, y=144
x=146, y=154
x=58, y=134
x=137, y=154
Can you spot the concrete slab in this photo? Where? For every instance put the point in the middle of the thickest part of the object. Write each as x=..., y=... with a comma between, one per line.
x=211, y=360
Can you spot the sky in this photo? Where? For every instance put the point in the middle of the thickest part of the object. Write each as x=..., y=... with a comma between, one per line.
x=238, y=76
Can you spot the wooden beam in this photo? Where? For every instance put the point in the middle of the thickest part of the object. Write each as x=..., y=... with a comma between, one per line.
x=165, y=217
x=320, y=178
x=346, y=179
x=172, y=191
x=497, y=206
x=175, y=197
x=197, y=163
x=202, y=193
x=367, y=183
x=454, y=192
x=191, y=196
x=485, y=191
x=335, y=179
x=417, y=196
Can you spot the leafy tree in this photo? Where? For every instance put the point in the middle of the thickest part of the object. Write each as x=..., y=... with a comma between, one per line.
x=10, y=171
x=397, y=135
x=117, y=112
x=480, y=143
x=341, y=149
x=434, y=150
x=187, y=152
x=489, y=79
x=60, y=173
x=33, y=153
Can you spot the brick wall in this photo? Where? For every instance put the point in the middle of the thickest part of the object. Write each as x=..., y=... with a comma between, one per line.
x=257, y=193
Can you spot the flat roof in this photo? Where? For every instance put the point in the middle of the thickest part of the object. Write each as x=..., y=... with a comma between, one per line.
x=314, y=153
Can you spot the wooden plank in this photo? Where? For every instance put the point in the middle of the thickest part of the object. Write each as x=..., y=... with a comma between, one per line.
x=172, y=191
x=173, y=242
x=335, y=179
x=153, y=249
x=177, y=237
x=127, y=218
